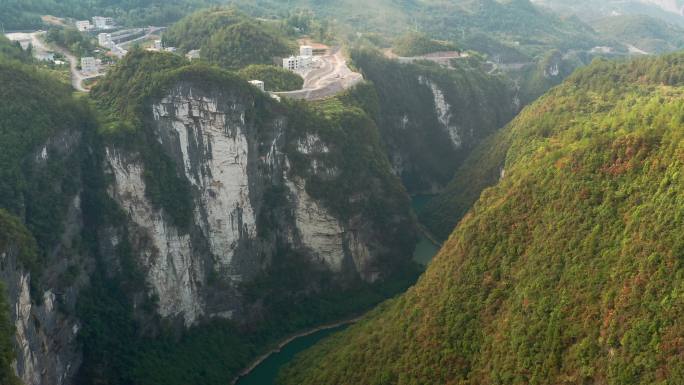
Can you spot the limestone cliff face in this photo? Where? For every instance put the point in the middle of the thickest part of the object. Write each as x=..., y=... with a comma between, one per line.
x=167, y=255
x=45, y=338
x=431, y=117
x=232, y=163
x=46, y=349
x=443, y=111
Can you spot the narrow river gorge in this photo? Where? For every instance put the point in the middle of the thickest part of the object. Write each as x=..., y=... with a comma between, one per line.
x=265, y=372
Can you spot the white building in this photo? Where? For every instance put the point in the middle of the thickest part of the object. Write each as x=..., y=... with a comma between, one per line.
x=158, y=45
x=170, y=49
x=291, y=63
x=83, y=25
x=258, y=84
x=305, y=50
x=296, y=63
x=192, y=55
x=100, y=22
x=305, y=62
x=89, y=65
x=105, y=40
x=45, y=56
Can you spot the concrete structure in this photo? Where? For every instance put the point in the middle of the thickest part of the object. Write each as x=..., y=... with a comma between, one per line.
x=89, y=65
x=193, y=55
x=100, y=22
x=305, y=62
x=118, y=51
x=329, y=77
x=83, y=25
x=105, y=40
x=158, y=45
x=291, y=63
x=45, y=56
x=258, y=84
x=296, y=63
x=170, y=49
x=305, y=50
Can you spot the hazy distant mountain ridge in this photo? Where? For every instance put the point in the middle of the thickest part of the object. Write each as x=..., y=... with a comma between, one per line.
x=668, y=10
x=674, y=6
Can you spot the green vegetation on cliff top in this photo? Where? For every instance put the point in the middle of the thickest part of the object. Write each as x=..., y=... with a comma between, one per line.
x=12, y=51
x=116, y=350
x=229, y=38
x=569, y=270
x=412, y=125
x=242, y=44
x=417, y=44
x=274, y=78
x=35, y=108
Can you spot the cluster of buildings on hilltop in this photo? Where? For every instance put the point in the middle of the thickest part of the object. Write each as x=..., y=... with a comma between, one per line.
x=301, y=62
x=99, y=23
x=106, y=39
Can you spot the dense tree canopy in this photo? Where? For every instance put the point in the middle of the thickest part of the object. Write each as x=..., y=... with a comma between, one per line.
x=569, y=270
x=417, y=44
x=274, y=78
x=230, y=38
x=7, y=375
x=646, y=33
x=242, y=44
x=22, y=14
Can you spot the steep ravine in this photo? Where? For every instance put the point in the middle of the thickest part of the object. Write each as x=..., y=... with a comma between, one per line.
x=43, y=136
x=197, y=207
x=431, y=117
x=568, y=270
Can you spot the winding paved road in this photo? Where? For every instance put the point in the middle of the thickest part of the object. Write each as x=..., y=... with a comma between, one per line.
x=40, y=47
x=331, y=78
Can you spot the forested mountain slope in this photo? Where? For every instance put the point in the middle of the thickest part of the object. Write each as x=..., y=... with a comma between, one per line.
x=21, y=14
x=668, y=10
x=431, y=117
x=646, y=33
x=569, y=270
x=513, y=30
x=230, y=38
x=43, y=131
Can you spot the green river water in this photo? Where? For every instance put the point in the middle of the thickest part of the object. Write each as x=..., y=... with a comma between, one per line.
x=266, y=372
